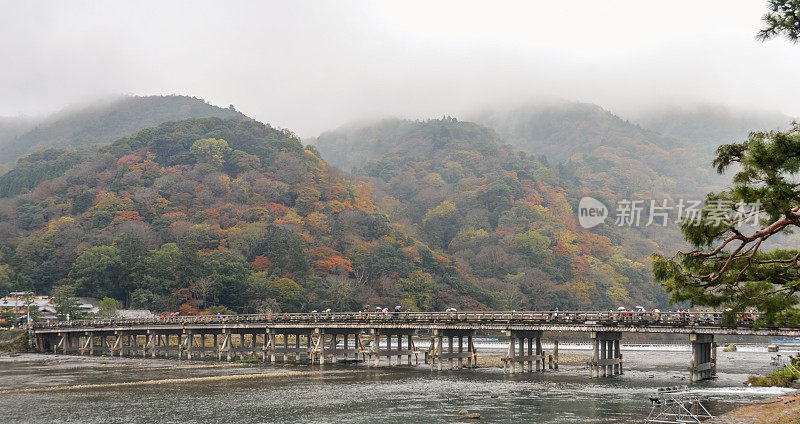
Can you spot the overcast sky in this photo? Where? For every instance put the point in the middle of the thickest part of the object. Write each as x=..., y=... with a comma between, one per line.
x=311, y=66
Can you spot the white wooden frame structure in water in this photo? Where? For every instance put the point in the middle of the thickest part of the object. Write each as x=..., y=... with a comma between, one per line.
x=677, y=405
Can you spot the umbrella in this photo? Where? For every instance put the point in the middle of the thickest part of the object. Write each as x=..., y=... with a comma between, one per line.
x=621, y=308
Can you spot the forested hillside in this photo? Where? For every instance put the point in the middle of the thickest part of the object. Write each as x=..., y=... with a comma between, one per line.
x=501, y=213
x=100, y=122
x=204, y=214
x=606, y=154
x=602, y=155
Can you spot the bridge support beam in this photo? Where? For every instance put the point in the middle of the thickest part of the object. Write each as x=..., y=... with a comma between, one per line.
x=394, y=345
x=64, y=344
x=704, y=357
x=524, y=347
x=88, y=344
x=279, y=342
x=453, y=345
x=606, y=355
x=554, y=357
x=327, y=341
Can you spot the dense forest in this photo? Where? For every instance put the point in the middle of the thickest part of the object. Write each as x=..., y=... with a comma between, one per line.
x=519, y=198
x=100, y=122
x=229, y=214
x=502, y=214
x=206, y=214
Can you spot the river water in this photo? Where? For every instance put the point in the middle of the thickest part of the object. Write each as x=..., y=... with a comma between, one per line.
x=358, y=394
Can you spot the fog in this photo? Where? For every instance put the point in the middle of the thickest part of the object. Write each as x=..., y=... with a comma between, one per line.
x=312, y=66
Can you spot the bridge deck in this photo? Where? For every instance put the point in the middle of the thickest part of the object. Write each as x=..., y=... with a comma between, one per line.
x=582, y=321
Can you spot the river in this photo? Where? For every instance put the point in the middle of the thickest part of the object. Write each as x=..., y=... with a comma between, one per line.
x=356, y=393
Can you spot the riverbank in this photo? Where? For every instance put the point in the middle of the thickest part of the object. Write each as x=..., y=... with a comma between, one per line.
x=784, y=409
x=12, y=341
x=563, y=359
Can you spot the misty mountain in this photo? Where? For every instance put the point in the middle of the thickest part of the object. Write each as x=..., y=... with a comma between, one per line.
x=500, y=212
x=100, y=122
x=212, y=213
x=606, y=154
x=560, y=130
x=352, y=146
x=11, y=127
x=708, y=126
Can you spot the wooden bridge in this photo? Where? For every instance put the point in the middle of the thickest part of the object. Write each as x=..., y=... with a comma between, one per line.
x=376, y=337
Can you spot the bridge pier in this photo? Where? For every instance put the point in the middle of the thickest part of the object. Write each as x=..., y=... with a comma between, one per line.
x=226, y=346
x=606, y=355
x=65, y=342
x=554, y=357
x=88, y=344
x=704, y=357
x=134, y=348
x=117, y=345
x=329, y=346
x=275, y=346
x=454, y=350
x=393, y=334
x=161, y=343
x=149, y=344
x=186, y=345
x=524, y=347
x=197, y=347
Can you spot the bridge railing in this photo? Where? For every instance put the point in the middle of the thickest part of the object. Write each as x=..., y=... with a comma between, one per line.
x=375, y=317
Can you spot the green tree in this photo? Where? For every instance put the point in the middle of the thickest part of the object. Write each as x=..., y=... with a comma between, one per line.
x=213, y=310
x=66, y=304
x=284, y=247
x=229, y=273
x=534, y=245
x=5, y=279
x=211, y=151
x=33, y=312
x=199, y=236
x=142, y=299
x=442, y=224
x=132, y=250
x=108, y=307
x=9, y=317
x=99, y=272
x=727, y=266
x=165, y=270
x=285, y=291
x=783, y=18
x=417, y=291
x=342, y=293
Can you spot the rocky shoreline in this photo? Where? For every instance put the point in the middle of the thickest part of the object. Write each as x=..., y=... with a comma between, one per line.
x=12, y=341
x=784, y=409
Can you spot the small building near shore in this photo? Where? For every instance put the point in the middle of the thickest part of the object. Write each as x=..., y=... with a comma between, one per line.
x=18, y=303
x=134, y=314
